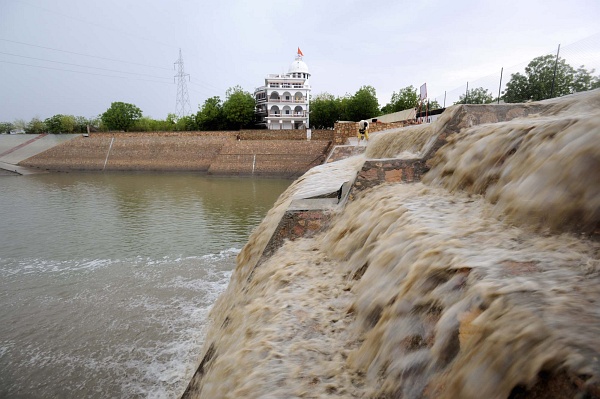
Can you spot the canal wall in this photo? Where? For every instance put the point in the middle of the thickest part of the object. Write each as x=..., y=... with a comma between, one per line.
x=414, y=270
x=286, y=154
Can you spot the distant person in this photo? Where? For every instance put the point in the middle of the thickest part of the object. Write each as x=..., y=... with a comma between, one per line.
x=363, y=130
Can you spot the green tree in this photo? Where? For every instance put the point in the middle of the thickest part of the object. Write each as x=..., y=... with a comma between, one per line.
x=121, y=116
x=478, y=95
x=433, y=104
x=53, y=124
x=536, y=83
x=363, y=104
x=210, y=116
x=20, y=125
x=68, y=123
x=81, y=124
x=186, y=123
x=143, y=124
x=584, y=80
x=238, y=108
x=6, y=127
x=170, y=122
x=61, y=124
x=35, y=126
x=344, y=103
x=406, y=98
x=325, y=110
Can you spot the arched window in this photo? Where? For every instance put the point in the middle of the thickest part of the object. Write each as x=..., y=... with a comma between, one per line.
x=274, y=111
x=298, y=97
x=286, y=111
x=274, y=97
x=298, y=111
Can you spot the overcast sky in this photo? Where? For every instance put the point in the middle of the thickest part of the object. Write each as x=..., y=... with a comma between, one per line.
x=124, y=50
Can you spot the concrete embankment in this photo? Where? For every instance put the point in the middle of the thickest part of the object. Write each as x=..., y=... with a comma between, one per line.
x=223, y=153
x=16, y=148
x=454, y=260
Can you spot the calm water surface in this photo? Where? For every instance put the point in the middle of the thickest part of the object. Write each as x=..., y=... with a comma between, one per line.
x=106, y=279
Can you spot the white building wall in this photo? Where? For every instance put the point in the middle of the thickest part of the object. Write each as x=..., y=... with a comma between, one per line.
x=289, y=94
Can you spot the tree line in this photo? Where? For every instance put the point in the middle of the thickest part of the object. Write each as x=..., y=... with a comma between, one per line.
x=236, y=112
x=544, y=77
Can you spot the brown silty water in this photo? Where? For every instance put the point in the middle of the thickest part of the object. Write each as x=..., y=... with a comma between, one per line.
x=480, y=282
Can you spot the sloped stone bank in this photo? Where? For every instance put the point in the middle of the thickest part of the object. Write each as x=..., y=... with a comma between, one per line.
x=211, y=152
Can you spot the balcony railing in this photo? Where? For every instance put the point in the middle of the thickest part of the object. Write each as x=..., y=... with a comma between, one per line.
x=292, y=115
x=287, y=85
x=292, y=100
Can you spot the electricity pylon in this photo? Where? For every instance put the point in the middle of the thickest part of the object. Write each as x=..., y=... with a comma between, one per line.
x=182, y=104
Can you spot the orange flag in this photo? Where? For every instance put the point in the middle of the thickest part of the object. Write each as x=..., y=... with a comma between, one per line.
x=300, y=52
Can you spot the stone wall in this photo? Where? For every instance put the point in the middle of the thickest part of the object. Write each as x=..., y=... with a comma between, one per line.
x=345, y=130
x=378, y=171
x=299, y=134
x=218, y=153
x=289, y=158
x=297, y=224
x=256, y=134
x=322, y=134
x=165, y=134
x=340, y=152
x=152, y=152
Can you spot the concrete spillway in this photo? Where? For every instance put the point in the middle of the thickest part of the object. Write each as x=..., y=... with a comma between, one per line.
x=468, y=267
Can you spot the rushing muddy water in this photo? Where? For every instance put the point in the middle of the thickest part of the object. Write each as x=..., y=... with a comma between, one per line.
x=480, y=283
x=106, y=279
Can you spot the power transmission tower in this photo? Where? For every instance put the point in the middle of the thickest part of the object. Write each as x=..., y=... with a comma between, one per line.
x=182, y=104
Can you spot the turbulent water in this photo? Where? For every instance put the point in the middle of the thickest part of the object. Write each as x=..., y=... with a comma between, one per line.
x=480, y=282
x=106, y=279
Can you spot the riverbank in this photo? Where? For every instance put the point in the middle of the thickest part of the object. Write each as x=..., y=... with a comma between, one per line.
x=456, y=259
x=218, y=153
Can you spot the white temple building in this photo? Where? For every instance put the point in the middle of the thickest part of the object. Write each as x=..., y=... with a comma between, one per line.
x=283, y=102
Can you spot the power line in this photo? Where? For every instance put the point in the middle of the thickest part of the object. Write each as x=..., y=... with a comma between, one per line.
x=84, y=66
x=109, y=29
x=81, y=72
x=84, y=55
x=95, y=24
x=206, y=85
x=204, y=93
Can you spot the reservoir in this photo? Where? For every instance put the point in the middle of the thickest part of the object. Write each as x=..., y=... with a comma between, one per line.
x=106, y=280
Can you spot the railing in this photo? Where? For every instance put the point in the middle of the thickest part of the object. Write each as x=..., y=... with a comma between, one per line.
x=292, y=115
x=280, y=100
x=287, y=85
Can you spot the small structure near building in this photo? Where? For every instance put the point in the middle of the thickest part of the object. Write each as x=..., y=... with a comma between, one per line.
x=283, y=102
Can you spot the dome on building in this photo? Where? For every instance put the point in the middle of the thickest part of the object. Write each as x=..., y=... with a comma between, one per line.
x=298, y=66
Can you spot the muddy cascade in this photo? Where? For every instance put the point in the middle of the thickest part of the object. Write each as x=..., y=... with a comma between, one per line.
x=480, y=281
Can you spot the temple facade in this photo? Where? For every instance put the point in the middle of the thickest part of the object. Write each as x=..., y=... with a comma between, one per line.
x=283, y=102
